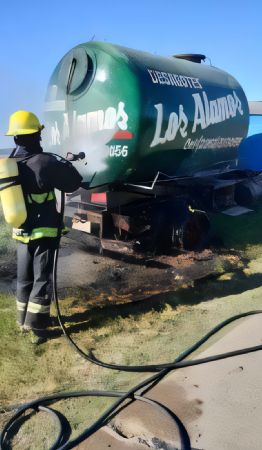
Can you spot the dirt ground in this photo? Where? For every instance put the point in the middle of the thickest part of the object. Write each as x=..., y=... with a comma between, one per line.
x=117, y=278
x=219, y=403
x=132, y=279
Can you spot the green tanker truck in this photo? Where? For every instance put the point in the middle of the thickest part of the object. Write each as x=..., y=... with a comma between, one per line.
x=155, y=138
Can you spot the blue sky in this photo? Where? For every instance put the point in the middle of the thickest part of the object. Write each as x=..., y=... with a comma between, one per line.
x=35, y=35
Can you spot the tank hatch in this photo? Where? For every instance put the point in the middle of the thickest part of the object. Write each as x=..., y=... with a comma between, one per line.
x=193, y=57
x=76, y=71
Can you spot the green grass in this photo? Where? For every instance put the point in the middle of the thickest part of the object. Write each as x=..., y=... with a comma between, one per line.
x=155, y=330
x=7, y=245
x=242, y=232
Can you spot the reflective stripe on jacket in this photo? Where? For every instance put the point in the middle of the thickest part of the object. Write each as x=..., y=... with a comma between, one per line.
x=43, y=218
x=37, y=233
x=40, y=198
x=40, y=173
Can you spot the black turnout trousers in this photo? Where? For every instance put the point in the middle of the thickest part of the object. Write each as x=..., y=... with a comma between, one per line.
x=34, y=274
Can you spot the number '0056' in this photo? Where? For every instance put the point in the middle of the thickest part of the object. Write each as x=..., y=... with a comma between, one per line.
x=118, y=150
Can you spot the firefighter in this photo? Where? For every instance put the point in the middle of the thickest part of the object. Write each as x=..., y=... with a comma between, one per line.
x=37, y=238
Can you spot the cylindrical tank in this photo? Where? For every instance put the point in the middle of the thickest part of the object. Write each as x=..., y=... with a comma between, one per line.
x=134, y=114
x=11, y=195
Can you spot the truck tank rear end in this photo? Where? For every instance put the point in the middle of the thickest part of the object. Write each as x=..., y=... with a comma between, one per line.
x=155, y=132
x=133, y=113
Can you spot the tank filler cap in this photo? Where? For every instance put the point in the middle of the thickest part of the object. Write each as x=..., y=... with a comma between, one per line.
x=193, y=57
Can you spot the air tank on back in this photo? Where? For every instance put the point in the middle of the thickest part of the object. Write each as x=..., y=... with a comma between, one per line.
x=134, y=114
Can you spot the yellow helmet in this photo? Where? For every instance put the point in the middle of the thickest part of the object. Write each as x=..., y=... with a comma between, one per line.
x=23, y=122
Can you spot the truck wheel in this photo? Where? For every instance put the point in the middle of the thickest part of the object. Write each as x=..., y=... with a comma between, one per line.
x=193, y=233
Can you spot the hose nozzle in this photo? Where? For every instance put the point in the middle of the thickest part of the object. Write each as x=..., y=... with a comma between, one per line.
x=75, y=157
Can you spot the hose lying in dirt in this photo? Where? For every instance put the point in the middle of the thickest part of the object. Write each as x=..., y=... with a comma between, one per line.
x=61, y=444
x=141, y=388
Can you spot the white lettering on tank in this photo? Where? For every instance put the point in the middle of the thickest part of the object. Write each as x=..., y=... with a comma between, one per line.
x=183, y=122
x=199, y=118
x=103, y=120
x=238, y=103
x=118, y=150
x=110, y=119
x=173, y=79
x=55, y=135
x=206, y=113
x=153, y=76
x=122, y=117
x=210, y=112
x=65, y=133
x=90, y=122
x=159, y=119
x=176, y=122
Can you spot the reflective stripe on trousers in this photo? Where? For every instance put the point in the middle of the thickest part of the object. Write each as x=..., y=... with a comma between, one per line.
x=34, y=270
x=32, y=314
x=36, y=308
